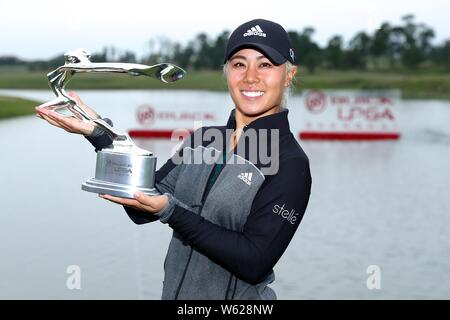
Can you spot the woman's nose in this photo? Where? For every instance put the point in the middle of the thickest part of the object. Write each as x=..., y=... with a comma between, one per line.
x=251, y=75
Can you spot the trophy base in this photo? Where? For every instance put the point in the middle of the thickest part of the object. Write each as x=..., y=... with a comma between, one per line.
x=121, y=174
x=115, y=189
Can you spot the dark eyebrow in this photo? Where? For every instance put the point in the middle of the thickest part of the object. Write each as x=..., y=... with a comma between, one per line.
x=244, y=58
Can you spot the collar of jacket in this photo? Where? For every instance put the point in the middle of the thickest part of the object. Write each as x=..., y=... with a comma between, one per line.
x=277, y=120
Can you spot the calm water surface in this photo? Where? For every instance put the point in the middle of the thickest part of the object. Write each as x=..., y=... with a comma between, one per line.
x=372, y=203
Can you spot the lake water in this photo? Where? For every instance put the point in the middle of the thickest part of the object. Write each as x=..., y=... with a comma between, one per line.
x=372, y=203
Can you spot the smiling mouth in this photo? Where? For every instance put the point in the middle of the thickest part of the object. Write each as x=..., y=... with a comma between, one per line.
x=252, y=94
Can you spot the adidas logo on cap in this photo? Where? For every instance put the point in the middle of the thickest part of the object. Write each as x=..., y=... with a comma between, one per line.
x=255, y=31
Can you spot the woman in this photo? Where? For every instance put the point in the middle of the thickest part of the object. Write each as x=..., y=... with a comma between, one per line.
x=233, y=218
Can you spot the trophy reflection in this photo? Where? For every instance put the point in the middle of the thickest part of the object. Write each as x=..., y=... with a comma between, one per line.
x=122, y=168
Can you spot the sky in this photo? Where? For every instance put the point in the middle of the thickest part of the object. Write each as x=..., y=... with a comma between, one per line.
x=45, y=28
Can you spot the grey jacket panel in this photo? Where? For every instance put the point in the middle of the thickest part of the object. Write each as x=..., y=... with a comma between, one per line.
x=228, y=205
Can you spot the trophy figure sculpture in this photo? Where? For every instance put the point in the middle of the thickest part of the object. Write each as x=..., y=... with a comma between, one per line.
x=122, y=168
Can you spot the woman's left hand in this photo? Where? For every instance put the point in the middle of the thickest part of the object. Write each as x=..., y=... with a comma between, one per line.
x=141, y=201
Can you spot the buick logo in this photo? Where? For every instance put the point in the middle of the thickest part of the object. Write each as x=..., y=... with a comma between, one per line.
x=145, y=114
x=315, y=102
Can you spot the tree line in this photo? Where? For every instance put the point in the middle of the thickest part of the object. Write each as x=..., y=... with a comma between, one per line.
x=406, y=46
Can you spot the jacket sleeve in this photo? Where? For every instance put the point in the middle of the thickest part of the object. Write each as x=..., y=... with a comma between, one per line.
x=99, y=137
x=275, y=215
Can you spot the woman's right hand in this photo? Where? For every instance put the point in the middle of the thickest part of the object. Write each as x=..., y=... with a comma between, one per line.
x=70, y=124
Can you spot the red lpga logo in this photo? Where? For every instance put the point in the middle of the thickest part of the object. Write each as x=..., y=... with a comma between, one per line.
x=315, y=102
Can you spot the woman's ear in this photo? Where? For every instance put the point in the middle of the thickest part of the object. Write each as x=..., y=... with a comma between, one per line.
x=290, y=76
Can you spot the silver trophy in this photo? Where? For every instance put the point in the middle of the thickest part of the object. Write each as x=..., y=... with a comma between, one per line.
x=122, y=168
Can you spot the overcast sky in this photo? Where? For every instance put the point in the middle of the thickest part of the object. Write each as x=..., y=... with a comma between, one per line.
x=44, y=28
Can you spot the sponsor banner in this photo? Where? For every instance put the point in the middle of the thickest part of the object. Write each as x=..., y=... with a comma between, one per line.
x=315, y=114
x=147, y=116
x=345, y=114
x=152, y=122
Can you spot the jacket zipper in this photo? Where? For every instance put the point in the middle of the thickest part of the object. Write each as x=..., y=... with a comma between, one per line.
x=184, y=274
x=235, y=286
x=228, y=286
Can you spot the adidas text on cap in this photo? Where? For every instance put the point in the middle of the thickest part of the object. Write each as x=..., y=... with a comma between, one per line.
x=266, y=36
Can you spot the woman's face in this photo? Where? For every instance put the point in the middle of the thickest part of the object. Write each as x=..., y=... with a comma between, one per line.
x=255, y=84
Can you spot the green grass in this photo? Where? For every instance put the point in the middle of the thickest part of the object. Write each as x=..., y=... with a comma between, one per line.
x=426, y=85
x=15, y=107
x=412, y=85
x=206, y=80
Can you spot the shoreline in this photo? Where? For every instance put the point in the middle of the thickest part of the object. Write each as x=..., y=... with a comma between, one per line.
x=418, y=85
x=12, y=106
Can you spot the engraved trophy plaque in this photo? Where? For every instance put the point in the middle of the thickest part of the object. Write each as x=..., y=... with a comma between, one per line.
x=122, y=168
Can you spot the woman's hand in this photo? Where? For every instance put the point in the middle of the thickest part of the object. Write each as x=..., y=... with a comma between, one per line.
x=141, y=201
x=70, y=124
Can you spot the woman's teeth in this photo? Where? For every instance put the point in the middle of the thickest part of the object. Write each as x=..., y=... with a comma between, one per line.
x=252, y=94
